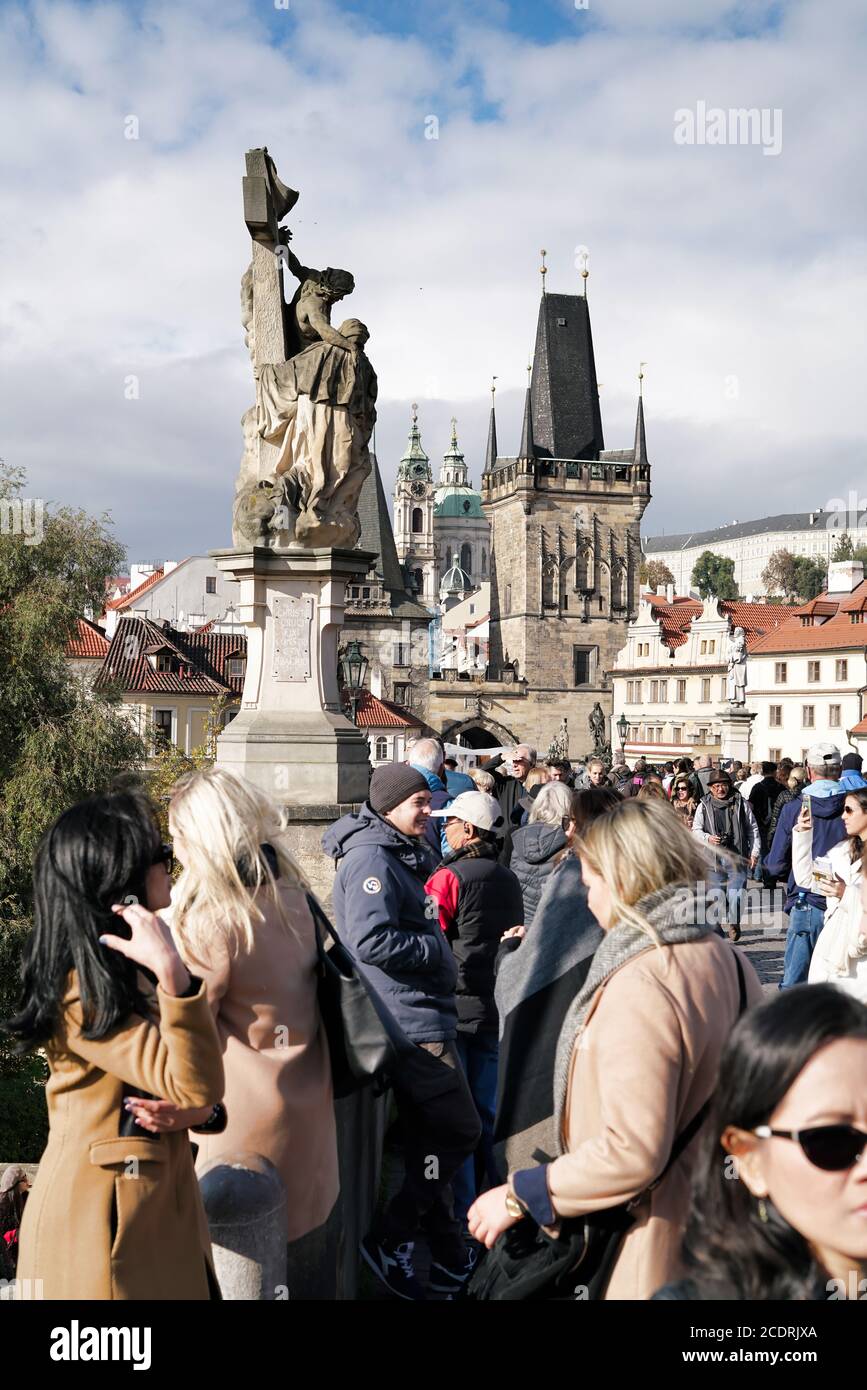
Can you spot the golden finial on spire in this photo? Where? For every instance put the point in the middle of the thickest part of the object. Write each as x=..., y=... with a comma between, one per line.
x=641, y=367
x=584, y=257
x=529, y=372
x=543, y=269
x=493, y=390
x=414, y=409
x=454, y=432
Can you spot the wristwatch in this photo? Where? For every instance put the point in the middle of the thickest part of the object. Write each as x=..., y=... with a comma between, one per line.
x=513, y=1206
x=215, y=1123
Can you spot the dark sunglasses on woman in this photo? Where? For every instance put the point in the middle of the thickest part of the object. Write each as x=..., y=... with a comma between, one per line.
x=165, y=855
x=830, y=1147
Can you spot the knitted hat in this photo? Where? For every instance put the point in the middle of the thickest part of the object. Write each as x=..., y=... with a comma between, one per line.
x=852, y=762
x=392, y=784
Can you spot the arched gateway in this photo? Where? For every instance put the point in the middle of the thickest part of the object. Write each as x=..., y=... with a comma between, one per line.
x=479, y=733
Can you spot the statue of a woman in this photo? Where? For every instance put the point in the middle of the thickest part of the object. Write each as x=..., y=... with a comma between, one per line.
x=736, y=684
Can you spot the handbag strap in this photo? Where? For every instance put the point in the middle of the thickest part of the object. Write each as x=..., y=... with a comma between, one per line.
x=686, y=1136
x=320, y=917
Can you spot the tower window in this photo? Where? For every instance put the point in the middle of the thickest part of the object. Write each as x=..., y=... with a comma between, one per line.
x=417, y=520
x=584, y=665
x=466, y=559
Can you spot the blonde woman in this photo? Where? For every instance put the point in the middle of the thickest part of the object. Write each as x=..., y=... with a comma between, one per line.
x=239, y=911
x=638, y=1051
x=538, y=846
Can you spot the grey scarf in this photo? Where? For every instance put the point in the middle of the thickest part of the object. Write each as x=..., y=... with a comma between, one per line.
x=676, y=914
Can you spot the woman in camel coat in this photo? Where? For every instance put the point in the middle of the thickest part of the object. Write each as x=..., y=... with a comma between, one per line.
x=241, y=920
x=638, y=1052
x=113, y=1213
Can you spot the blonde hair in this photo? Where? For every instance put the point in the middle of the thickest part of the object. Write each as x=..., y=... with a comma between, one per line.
x=483, y=780
x=536, y=777
x=223, y=820
x=552, y=803
x=639, y=847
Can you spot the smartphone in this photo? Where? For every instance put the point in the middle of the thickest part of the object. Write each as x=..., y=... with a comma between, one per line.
x=808, y=819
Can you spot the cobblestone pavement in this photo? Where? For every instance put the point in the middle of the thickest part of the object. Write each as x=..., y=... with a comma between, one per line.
x=763, y=937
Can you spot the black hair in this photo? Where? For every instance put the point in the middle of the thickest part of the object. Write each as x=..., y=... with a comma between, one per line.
x=94, y=855
x=856, y=844
x=589, y=803
x=727, y=1246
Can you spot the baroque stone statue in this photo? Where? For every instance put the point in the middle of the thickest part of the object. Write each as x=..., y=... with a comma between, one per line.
x=306, y=438
x=736, y=684
x=596, y=724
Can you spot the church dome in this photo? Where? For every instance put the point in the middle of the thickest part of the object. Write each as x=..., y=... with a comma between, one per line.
x=452, y=500
x=455, y=581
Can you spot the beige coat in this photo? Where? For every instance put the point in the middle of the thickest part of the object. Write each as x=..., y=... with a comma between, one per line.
x=278, y=1077
x=121, y=1218
x=643, y=1065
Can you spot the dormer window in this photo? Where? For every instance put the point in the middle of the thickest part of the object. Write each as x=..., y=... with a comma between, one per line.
x=164, y=662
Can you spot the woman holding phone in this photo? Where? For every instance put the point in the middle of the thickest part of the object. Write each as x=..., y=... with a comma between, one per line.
x=840, y=954
x=114, y=1213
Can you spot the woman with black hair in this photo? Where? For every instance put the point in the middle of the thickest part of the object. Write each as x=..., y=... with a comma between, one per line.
x=779, y=1194
x=114, y=1213
x=840, y=954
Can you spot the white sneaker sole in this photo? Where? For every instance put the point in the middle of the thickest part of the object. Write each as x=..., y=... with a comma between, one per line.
x=407, y=1298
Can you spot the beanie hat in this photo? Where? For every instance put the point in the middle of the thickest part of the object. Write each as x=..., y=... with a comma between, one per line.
x=391, y=785
x=852, y=762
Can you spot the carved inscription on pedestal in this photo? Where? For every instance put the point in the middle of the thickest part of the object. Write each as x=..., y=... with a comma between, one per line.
x=292, y=618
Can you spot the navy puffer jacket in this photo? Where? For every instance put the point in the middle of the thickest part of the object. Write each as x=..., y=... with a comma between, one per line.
x=535, y=850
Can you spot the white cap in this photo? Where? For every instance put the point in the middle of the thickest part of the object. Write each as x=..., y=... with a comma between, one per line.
x=822, y=753
x=478, y=808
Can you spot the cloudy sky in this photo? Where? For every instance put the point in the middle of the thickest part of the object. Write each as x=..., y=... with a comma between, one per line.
x=738, y=276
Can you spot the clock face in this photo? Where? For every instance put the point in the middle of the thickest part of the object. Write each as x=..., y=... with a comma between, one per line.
x=418, y=489
x=418, y=470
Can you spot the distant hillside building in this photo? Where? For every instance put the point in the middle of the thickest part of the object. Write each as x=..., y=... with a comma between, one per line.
x=752, y=543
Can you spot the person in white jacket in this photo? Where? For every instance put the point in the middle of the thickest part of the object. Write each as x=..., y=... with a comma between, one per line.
x=840, y=955
x=726, y=821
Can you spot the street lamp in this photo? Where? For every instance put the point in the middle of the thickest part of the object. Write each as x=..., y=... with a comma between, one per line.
x=623, y=730
x=353, y=669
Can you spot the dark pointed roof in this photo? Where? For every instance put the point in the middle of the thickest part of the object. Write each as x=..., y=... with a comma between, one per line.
x=491, y=451
x=567, y=422
x=527, y=450
x=376, y=532
x=640, y=450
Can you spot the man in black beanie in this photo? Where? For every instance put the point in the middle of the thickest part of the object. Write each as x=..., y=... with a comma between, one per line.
x=385, y=917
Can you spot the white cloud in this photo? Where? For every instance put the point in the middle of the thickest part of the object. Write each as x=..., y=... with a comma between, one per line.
x=124, y=256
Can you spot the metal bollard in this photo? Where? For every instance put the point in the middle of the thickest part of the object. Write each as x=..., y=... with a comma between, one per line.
x=245, y=1202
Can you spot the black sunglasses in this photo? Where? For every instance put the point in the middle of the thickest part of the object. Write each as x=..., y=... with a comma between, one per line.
x=165, y=855
x=830, y=1147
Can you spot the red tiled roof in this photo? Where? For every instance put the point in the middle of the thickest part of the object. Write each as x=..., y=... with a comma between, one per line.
x=837, y=633
x=89, y=644
x=374, y=713
x=202, y=655
x=860, y=727
x=126, y=599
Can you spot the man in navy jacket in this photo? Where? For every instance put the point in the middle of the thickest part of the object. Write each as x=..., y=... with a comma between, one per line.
x=806, y=909
x=388, y=922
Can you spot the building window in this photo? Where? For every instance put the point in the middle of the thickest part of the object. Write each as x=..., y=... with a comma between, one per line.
x=210, y=584
x=507, y=599
x=711, y=646
x=677, y=734
x=583, y=665
x=705, y=690
x=808, y=716
x=639, y=687
x=381, y=751
x=834, y=716
x=723, y=687
x=400, y=654
x=842, y=670
x=654, y=692
x=403, y=694
x=775, y=716
x=781, y=672
x=681, y=692
x=418, y=580
x=484, y=561
x=165, y=663
x=163, y=726
x=814, y=671
x=417, y=520
x=775, y=754
x=236, y=666
x=467, y=559
x=663, y=692
x=703, y=651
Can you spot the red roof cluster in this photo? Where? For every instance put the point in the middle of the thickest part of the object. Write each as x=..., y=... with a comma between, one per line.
x=126, y=599
x=830, y=626
x=675, y=617
x=374, y=713
x=89, y=643
x=198, y=660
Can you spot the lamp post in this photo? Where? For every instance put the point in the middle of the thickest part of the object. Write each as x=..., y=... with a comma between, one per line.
x=353, y=669
x=622, y=730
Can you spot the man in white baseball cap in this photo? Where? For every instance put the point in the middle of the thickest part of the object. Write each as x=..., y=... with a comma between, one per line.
x=478, y=900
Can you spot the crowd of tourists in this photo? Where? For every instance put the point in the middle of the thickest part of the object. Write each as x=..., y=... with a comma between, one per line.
x=594, y=1098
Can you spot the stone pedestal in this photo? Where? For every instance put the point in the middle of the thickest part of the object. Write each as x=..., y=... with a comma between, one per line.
x=735, y=722
x=290, y=737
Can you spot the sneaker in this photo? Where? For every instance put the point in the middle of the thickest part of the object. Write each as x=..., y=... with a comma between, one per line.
x=393, y=1265
x=450, y=1278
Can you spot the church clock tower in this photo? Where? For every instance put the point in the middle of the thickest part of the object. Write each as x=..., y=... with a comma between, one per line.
x=413, y=516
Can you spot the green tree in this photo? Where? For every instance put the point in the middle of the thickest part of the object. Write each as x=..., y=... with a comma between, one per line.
x=654, y=573
x=714, y=576
x=59, y=742
x=811, y=577
x=780, y=574
x=844, y=549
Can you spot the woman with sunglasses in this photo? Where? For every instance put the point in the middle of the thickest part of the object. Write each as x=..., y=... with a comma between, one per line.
x=114, y=1212
x=779, y=1194
x=682, y=799
x=840, y=953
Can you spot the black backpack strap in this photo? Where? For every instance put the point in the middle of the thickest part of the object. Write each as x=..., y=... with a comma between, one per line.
x=687, y=1135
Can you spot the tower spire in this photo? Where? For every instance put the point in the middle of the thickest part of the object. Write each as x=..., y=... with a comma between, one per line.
x=527, y=450
x=639, y=451
x=491, y=450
